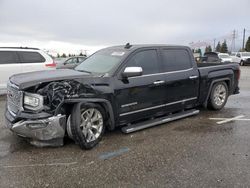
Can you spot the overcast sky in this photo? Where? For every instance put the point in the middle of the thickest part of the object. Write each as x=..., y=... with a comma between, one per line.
x=80, y=24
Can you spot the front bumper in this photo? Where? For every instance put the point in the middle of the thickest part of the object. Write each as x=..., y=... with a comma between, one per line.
x=48, y=131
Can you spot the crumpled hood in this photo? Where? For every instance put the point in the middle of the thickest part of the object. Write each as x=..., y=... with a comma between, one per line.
x=25, y=80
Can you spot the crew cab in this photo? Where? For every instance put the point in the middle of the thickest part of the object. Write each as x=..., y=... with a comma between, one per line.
x=132, y=87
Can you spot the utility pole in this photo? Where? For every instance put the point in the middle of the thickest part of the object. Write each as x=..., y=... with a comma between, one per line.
x=214, y=44
x=233, y=41
x=244, y=33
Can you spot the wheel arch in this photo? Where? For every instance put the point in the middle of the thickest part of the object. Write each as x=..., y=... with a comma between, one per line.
x=226, y=80
x=102, y=102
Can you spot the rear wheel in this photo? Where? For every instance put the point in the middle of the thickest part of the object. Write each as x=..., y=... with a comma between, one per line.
x=88, y=129
x=242, y=63
x=218, y=96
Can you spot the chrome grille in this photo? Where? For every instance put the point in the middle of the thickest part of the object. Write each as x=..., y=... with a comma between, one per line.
x=13, y=98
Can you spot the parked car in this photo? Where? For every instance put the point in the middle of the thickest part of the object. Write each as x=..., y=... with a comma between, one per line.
x=59, y=60
x=225, y=58
x=14, y=60
x=243, y=58
x=132, y=86
x=71, y=62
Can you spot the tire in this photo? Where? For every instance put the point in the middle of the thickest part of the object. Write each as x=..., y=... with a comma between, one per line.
x=86, y=125
x=218, y=96
x=242, y=63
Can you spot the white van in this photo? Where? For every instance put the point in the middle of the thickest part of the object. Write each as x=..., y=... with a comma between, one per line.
x=14, y=60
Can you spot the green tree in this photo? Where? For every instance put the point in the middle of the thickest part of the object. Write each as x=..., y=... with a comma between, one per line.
x=208, y=49
x=69, y=55
x=81, y=54
x=248, y=45
x=218, y=47
x=64, y=55
x=58, y=55
x=224, y=48
x=198, y=51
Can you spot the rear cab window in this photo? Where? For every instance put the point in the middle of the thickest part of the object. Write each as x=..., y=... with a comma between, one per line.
x=146, y=59
x=175, y=60
x=71, y=60
x=30, y=57
x=8, y=57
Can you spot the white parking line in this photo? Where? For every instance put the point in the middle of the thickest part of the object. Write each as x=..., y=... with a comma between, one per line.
x=36, y=165
x=226, y=120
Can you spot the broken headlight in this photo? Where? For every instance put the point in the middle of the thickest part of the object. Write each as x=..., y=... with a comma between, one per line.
x=33, y=101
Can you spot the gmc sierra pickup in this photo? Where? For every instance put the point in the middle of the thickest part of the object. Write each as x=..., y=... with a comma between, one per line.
x=132, y=87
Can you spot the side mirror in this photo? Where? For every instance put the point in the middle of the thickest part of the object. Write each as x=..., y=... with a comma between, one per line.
x=132, y=71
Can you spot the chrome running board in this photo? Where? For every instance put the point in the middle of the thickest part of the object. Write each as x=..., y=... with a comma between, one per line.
x=153, y=122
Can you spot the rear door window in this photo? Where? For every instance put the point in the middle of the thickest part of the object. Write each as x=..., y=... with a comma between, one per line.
x=175, y=60
x=147, y=60
x=8, y=57
x=31, y=57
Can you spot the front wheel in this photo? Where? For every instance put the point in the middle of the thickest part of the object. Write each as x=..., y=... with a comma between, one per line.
x=218, y=96
x=242, y=63
x=86, y=127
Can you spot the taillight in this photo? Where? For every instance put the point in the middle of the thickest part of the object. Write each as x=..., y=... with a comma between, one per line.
x=51, y=65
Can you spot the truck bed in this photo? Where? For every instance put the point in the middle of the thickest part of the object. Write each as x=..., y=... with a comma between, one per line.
x=211, y=64
x=209, y=72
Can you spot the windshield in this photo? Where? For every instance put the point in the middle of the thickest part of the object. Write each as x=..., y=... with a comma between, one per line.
x=224, y=56
x=245, y=54
x=102, y=61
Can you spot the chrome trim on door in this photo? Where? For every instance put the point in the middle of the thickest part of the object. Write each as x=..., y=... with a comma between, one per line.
x=170, y=72
x=129, y=104
x=159, y=106
x=159, y=82
x=193, y=77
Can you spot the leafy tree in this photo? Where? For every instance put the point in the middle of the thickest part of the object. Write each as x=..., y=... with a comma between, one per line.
x=198, y=51
x=208, y=49
x=81, y=54
x=248, y=45
x=218, y=47
x=58, y=55
x=224, y=48
x=69, y=55
x=64, y=55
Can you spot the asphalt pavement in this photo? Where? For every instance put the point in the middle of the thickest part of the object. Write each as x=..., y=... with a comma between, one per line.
x=193, y=152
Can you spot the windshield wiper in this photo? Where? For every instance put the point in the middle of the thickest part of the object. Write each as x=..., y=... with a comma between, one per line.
x=84, y=71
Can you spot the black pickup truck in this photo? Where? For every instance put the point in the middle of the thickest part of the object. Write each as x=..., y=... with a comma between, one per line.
x=132, y=87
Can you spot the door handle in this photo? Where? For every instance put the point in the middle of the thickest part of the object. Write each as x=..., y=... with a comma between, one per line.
x=159, y=82
x=193, y=77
